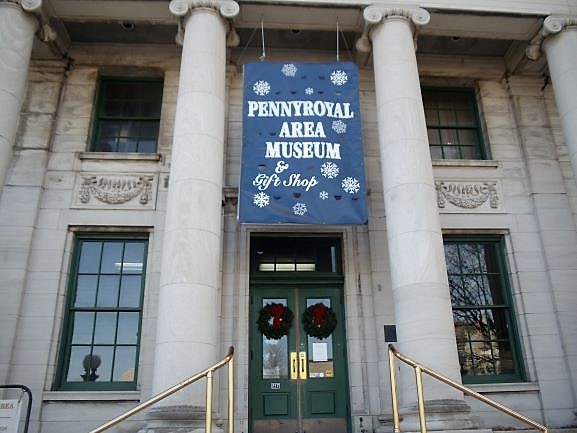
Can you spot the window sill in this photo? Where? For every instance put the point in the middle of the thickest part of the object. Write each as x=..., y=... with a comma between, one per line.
x=119, y=156
x=490, y=388
x=465, y=163
x=91, y=396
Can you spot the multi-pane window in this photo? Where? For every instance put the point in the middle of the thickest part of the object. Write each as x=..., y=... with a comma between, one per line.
x=453, y=124
x=482, y=310
x=127, y=115
x=295, y=254
x=104, y=313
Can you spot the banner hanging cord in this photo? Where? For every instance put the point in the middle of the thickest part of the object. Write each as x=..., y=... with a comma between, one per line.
x=347, y=45
x=238, y=60
x=263, y=55
x=338, y=40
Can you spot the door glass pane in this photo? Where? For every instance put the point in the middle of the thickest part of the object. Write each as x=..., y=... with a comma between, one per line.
x=320, y=351
x=274, y=352
x=294, y=254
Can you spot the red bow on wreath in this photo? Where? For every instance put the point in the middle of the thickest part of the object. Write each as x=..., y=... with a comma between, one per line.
x=277, y=310
x=319, y=311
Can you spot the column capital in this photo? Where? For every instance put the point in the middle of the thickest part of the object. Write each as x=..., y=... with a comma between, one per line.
x=552, y=25
x=35, y=7
x=375, y=14
x=227, y=8
x=32, y=6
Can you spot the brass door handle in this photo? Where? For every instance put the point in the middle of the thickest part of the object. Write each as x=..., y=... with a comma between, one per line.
x=302, y=365
x=294, y=366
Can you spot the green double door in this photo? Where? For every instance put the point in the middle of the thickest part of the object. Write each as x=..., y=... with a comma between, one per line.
x=298, y=383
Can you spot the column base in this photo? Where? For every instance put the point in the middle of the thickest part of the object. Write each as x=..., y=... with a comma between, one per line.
x=441, y=415
x=178, y=419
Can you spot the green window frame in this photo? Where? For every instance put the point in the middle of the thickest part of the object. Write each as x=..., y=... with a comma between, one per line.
x=102, y=321
x=483, y=313
x=127, y=117
x=453, y=123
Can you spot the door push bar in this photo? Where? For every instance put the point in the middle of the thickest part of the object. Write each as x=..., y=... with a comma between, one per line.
x=298, y=365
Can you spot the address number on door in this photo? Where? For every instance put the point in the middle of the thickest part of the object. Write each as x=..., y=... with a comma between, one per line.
x=275, y=385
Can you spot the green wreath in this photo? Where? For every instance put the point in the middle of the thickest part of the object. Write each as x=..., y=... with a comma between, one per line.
x=319, y=321
x=274, y=321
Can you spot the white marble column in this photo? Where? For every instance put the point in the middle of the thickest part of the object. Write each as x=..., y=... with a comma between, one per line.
x=188, y=329
x=558, y=40
x=560, y=46
x=17, y=30
x=422, y=304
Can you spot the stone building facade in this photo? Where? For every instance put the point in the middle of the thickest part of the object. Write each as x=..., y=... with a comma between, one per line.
x=125, y=269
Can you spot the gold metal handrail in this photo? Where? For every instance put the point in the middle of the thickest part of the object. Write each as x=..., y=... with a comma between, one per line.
x=208, y=373
x=419, y=370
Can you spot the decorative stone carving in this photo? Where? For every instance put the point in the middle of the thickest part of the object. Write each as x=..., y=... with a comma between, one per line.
x=467, y=195
x=45, y=30
x=553, y=24
x=556, y=23
x=227, y=8
x=116, y=190
x=32, y=6
x=374, y=14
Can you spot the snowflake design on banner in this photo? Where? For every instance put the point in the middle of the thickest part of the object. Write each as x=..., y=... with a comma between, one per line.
x=338, y=77
x=289, y=70
x=350, y=185
x=261, y=88
x=309, y=90
x=339, y=126
x=323, y=195
x=300, y=209
x=261, y=199
x=329, y=170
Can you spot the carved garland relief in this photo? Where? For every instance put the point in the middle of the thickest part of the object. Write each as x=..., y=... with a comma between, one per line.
x=116, y=190
x=467, y=195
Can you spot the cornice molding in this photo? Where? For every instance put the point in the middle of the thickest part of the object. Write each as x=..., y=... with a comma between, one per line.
x=552, y=25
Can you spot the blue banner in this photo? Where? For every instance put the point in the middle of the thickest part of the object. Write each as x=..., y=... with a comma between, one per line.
x=302, y=153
